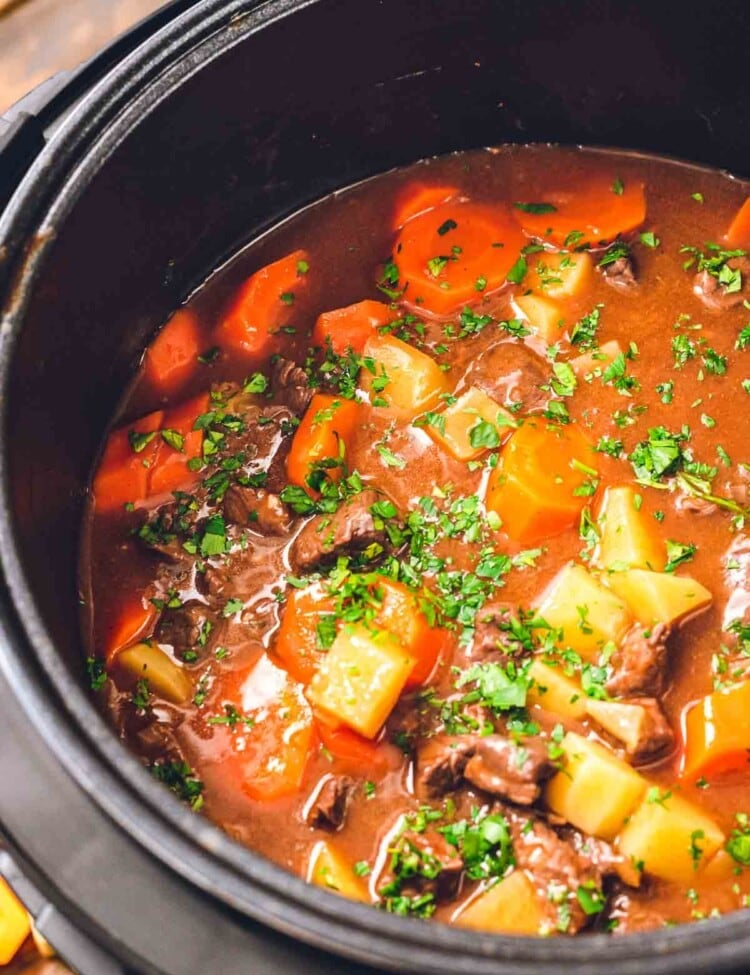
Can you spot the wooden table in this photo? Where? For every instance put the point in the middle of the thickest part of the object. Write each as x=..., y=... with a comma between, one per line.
x=40, y=37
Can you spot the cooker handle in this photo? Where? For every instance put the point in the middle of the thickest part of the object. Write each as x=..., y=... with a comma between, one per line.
x=67, y=941
x=26, y=125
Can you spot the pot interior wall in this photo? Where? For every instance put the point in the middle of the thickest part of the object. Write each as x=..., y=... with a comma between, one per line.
x=337, y=92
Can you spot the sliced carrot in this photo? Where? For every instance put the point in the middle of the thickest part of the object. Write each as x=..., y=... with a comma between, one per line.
x=354, y=752
x=123, y=472
x=264, y=304
x=298, y=645
x=173, y=355
x=170, y=471
x=542, y=481
x=351, y=327
x=401, y=613
x=418, y=198
x=272, y=748
x=450, y=256
x=133, y=622
x=738, y=234
x=325, y=429
x=717, y=733
x=596, y=211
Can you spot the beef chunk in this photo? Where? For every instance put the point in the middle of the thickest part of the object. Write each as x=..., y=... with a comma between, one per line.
x=620, y=274
x=422, y=863
x=508, y=769
x=639, y=665
x=494, y=636
x=330, y=799
x=256, y=508
x=184, y=627
x=715, y=295
x=440, y=763
x=512, y=374
x=290, y=386
x=736, y=566
x=655, y=736
x=351, y=529
x=167, y=527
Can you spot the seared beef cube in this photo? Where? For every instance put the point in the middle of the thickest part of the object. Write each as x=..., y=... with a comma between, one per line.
x=328, y=807
x=717, y=296
x=351, y=529
x=512, y=374
x=185, y=627
x=510, y=769
x=620, y=273
x=440, y=763
x=494, y=639
x=639, y=664
x=256, y=508
x=422, y=863
x=656, y=737
x=290, y=386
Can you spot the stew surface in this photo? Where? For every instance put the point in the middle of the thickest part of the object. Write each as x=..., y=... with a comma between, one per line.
x=417, y=557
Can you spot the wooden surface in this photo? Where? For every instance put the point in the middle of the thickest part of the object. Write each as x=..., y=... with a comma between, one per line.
x=41, y=37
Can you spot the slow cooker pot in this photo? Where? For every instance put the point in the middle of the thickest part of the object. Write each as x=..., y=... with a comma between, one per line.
x=137, y=176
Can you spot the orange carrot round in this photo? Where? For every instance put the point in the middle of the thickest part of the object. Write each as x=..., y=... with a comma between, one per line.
x=351, y=327
x=328, y=423
x=418, y=198
x=173, y=355
x=738, y=233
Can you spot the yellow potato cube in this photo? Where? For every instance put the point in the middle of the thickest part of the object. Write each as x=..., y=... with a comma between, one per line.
x=588, y=614
x=560, y=275
x=589, y=364
x=627, y=539
x=544, y=316
x=328, y=868
x=626, y=722
x=670, y=837
x=14, y=924
x=460, y=418
x=659, y=597
x=511, y=906
x=361, y=678
x=411, y=381
x=554, y=691
x=596, y=791
x=147, y=661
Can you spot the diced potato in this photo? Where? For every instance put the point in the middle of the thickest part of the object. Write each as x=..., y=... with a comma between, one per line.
x=360, y=678
x=720, y=867
x=659, y=597
x=328, y=868
x=461, y=417
x=626, y=722
x=589, y=614
x=14, y=924
x=411, y=381
x=544, y=316
x=560, y=275
x=671, y=837
x=148, y=661
x=596, y=791
x=597, y=360
x=511, y=906
x=555, y=691
x=627, y=540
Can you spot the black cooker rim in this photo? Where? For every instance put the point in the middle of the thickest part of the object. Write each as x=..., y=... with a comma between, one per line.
x=64, y=713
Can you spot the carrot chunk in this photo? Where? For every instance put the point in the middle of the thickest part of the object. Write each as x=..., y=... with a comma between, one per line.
x=738, y=234
x=717, y=732
x=351, y=327
x=418, y=198
x=542, y=481
x=354, y=752
x=322, y=436
x=592, y=213
x=300, y=641
x=173, y=355
x=179, y=443
x=264, y=304
x=133, y=622
x=402, y=614
x=453, y=254
x=123, y=473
